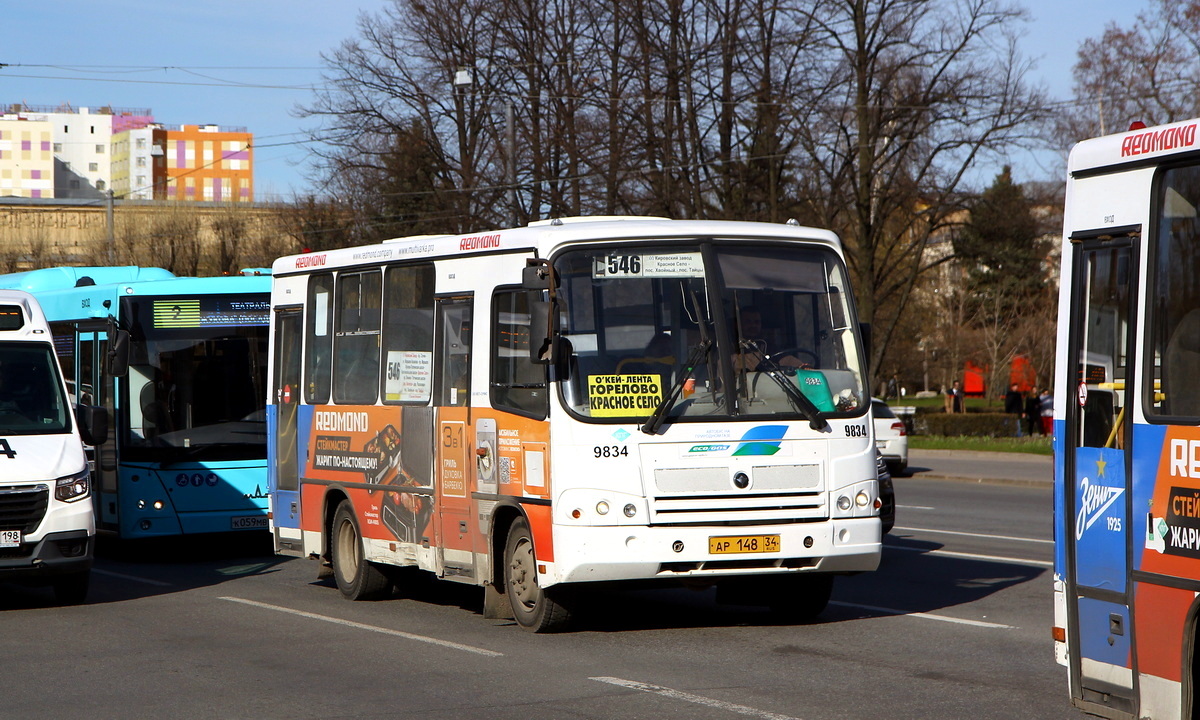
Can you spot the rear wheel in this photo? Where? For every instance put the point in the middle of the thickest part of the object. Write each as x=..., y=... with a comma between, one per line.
x=357, y=578
x=535, y=609
x=72, y=589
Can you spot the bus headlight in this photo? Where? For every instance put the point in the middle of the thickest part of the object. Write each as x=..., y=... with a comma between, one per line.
x=602, y=508
x=843, y=503
x=862, y=499
x=72, y=487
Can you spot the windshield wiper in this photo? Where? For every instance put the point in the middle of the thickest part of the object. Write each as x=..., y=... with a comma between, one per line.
x=773, y=370
x=664, y=406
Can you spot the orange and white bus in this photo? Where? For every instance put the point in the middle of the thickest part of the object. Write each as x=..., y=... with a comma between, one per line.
x=579, y=401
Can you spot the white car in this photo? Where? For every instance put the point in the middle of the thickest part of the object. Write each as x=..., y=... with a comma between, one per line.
x=891, y=437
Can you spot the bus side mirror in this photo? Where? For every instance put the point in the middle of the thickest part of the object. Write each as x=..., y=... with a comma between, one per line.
x=93, y=424
x=541, y=334
x=118, y=353
x=535, y=277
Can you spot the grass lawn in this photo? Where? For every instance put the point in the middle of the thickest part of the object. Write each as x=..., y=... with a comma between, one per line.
x=1039, y=445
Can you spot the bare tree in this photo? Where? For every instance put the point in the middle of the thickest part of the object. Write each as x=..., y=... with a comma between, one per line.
x=908, y=95
x=1146, y=72
x=230, y=229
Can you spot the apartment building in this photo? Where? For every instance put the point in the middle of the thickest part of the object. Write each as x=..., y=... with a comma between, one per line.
x=123, y=150
x=205, y=163
x=133, y=166
x=26, y=158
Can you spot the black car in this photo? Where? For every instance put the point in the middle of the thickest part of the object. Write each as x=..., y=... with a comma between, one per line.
x=887, y=494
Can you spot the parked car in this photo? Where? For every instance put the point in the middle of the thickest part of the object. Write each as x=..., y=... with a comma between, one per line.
x=887, y=495
x=891, y=436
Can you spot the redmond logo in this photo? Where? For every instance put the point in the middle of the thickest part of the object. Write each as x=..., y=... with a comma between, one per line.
x=310, y=261
x=479, y=242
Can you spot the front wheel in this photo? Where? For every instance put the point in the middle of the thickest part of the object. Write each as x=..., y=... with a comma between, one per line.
x=534, y=608
x=357, y=578
x=801, y=598
x=72, y=589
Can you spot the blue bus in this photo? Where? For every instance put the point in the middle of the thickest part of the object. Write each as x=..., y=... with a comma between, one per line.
x=180, y=364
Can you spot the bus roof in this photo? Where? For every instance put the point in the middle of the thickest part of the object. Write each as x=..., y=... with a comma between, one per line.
x=1135, y=146
x=545, y=237
x=34, y=321
x=58, y=278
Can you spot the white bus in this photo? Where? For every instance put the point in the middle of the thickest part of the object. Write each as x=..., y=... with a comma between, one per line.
x=1127, y=425
x=578, y=401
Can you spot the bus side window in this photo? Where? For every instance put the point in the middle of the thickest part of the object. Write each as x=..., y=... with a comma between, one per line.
x=356, y=342
x=517, y=383
x=408, y=334
x=318, y=341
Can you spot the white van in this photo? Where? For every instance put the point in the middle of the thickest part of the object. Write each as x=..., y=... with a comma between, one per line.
x=47, y=526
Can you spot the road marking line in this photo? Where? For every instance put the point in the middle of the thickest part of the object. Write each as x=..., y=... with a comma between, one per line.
x=979, y=535
x=372, y=628
x=928, y=616
x=916, y=507
x=688, y=697
x=134, y=578
x=973, y=556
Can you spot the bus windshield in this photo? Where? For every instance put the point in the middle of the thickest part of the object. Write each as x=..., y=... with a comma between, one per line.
x=197, y=377
x=31, y=397
x=772, y=323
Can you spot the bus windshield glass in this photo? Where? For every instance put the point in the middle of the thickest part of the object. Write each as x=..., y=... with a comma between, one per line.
x=196, y=377
x=738, y=329
x=31, y=397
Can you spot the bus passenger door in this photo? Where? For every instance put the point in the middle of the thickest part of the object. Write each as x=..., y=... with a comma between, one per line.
x=452, y=377
x=1098, y=469
x=94, y=386
x=283, y=474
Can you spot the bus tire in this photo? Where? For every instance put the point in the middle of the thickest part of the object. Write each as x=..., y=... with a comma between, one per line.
x=801, y=598
x=534, y=608
x=357, y=578
x=71, y=589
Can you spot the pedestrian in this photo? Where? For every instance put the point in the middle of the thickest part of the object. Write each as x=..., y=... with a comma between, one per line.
x=954, y=398
x=1046, y=406
x=1033, y=413
x=1014, y=403
x=892, y=388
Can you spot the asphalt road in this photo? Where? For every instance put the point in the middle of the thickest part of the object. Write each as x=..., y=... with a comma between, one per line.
x=955, y=624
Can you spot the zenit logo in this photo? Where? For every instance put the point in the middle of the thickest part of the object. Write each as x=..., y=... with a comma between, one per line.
x=1094, y=500
x=761, y=440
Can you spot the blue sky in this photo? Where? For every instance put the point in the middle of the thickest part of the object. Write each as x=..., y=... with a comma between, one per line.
x=180, y=59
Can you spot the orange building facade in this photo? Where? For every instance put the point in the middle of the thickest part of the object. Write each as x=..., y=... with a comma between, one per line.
x=205, y=163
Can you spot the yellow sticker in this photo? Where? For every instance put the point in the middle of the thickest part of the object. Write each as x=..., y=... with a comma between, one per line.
x=624, y=395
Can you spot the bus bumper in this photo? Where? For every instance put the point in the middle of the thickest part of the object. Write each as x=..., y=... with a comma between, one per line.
x=598, y=554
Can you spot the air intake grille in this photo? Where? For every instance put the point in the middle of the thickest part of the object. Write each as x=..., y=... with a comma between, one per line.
x=23, y=507
x=739, y=508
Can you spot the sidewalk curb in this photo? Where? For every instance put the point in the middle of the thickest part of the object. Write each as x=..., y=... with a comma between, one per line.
x=1019, y=482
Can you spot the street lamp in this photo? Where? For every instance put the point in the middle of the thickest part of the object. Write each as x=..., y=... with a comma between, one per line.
x=462, y=81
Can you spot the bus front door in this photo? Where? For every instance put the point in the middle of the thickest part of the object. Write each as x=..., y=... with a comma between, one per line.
x=94, y=386
x=1098, y=468
x=284, y=471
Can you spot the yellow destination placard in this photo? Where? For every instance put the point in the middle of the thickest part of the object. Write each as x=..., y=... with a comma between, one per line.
x=623, y=395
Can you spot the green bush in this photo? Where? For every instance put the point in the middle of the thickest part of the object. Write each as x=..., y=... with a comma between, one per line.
x=970, y=423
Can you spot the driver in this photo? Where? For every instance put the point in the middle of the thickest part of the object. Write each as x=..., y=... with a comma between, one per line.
x=747, y=359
